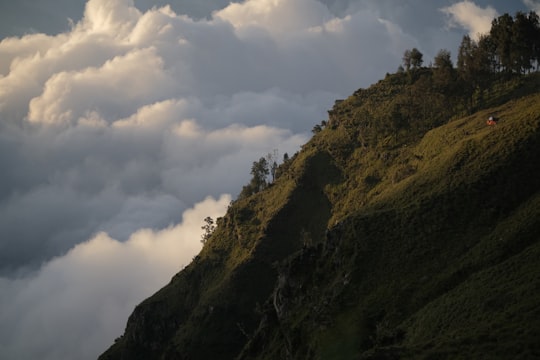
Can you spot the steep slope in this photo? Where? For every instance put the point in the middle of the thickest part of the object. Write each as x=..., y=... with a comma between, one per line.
x=442, y=263
x=210, y=307
x=401, y=230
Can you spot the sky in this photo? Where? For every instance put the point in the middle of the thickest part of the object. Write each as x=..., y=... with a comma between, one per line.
x=123, y=124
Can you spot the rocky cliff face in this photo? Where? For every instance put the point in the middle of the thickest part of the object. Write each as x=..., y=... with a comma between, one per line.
x=393, y=233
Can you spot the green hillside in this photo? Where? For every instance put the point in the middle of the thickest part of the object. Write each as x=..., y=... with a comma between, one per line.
x=405, y=228
x=432, y=250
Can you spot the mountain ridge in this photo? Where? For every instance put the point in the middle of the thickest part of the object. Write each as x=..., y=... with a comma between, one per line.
x=384, y=237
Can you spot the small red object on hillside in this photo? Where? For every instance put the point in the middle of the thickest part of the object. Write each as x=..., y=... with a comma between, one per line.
x=492, y=120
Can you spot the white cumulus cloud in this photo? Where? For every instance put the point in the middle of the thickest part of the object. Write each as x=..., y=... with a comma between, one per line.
x=277, y=17
x=473, y=18
x=121, y=84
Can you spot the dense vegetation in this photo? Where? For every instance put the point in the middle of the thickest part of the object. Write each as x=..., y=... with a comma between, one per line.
x=405, y=228
x=512, y=46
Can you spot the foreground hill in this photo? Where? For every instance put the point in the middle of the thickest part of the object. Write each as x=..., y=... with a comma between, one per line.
x=402, y=229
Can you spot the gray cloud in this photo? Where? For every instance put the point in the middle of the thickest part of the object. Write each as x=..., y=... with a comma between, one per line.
x=533, y=5
x=53, y=16
x=134, y=115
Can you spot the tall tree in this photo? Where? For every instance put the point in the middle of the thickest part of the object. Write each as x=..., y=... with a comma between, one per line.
x=522, y=52
x=443, y=60
x=272, y=159
x=407, y=60
x=412, y=59
x=465, y=57
x=443, y=69
x=501, y=34
x=484, y=59
x=465, y=67
x=527, y=38
x=260, y=170
x=416, y=58
x=208, y=228
x=534, y=37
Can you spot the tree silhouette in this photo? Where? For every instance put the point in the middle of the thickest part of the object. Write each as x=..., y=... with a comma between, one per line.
x=412, y=59
x=501, y=34
x=407, y=60
x=443, y=70
x=416, y=58
x=208, y=228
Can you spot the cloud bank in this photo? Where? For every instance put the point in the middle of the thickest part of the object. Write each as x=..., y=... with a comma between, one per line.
x=128, y=118
x=111, y=130
x=77, y=303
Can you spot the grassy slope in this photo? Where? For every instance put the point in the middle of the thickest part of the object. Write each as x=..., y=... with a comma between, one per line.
x=430, y=250
x=436, y=248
